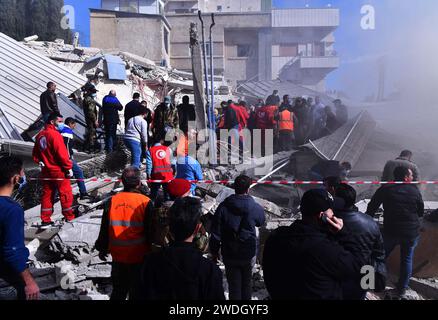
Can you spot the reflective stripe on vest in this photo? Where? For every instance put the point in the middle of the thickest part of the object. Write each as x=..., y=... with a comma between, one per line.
x=161, y=166
x=127, y=216
x=286, y=121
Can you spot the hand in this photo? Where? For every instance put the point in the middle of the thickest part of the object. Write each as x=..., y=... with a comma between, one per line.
x=336, y=224
x=32, y=291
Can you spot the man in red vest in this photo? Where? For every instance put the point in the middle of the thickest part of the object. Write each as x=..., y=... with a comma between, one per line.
x=51, y=153
x=159, y=167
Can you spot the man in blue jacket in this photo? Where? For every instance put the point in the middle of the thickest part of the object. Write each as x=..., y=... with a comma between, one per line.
x=188, y=168
x=13, y=253
x=234, y=232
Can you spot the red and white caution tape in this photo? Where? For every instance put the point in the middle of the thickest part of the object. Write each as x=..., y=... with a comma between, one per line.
x=279, y=182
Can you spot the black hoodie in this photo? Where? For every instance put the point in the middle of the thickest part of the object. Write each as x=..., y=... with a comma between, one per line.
x=306, y=262
x=233, y=227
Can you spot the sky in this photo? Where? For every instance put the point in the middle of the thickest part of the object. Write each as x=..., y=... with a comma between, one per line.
x=359, y=49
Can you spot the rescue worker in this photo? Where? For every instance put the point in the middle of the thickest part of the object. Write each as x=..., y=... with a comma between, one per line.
x=110, y=110
x=67, y=132
x=91, y=119
x=159, y=167
x=125, y=233
x=51, y=153
x=286, y=125
x=189, y=168
x=48, y=101
x=265, y=120
x=166, y=119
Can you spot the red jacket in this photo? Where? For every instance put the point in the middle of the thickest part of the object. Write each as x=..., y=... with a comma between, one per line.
x=161, y=163
x=50, y=149
x=265, y=117
x=242, y=116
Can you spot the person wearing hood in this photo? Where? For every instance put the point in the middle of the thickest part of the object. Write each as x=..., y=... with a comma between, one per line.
x=166, y=118
x=314, y=257
x=233, y=232
x=180, y=272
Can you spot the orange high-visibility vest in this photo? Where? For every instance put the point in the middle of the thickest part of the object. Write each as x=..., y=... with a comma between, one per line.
x=286, y=121
x=161, y=166
x=127, y=238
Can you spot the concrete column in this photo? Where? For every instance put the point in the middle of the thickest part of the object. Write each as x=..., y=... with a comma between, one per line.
x=265, y=55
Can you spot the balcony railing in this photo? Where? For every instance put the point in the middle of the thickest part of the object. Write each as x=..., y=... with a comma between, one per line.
x=305, y=18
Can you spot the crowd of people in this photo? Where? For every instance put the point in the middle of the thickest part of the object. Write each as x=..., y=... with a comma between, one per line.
x=159, y=246
x=158, y=239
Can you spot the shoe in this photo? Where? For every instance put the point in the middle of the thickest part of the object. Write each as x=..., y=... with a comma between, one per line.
x=47, y=225
x=402, y=294
x=85, y=196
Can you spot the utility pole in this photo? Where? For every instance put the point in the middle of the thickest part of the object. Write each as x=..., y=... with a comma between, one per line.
x=198, y=87
x=212, y=120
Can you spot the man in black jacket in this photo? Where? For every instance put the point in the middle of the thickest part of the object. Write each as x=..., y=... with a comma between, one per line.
x=48, y=101
x=367, y=234
x=133, y=108
x=110, y=110
x=233, y=231
x=402, y=205
x=180, y=272
x=312, y=258
x=186, y=113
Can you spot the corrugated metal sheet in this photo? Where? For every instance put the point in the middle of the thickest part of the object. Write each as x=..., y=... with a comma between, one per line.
x=24, y=74
x=7, y=129
x=305, y=18
x=348, y=142
x=69, y=110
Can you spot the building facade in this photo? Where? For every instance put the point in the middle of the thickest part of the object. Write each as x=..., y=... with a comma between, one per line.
x=251, y=41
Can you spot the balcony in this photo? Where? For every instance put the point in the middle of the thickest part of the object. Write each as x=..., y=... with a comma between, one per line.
x=286, y=18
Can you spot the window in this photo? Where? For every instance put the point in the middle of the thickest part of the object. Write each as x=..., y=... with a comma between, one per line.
x=288, y=50
x=129, y=6
x=243, y=50
x=219, y=8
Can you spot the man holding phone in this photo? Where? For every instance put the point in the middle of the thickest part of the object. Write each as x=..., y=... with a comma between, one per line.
x=312, y=258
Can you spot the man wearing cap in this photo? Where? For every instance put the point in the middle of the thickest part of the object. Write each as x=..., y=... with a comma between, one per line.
x=312, y=258
x=166, y=119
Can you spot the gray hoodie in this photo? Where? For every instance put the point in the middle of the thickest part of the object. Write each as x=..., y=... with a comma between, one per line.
x=137, y=129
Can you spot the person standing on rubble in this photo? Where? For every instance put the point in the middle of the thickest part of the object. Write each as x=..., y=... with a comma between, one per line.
x=52, y=155
x=110, y=110
x=189, y=168
x=179, y=271
x=302, y=112
x=286, y=125
x=341, y=112
x=273, y=99
x=366, y=233
x=159, y=168
x=48, y=101
x=233, y=233
x=133, y=108
x=13, y=252
x=404, y=160
x=403, y=206
x=125, y=233
x=91, y=119
x=186, y=114
x=166, y=120
x=136, y=136
x=319, y=119
x=314, y=257
x=67, y=132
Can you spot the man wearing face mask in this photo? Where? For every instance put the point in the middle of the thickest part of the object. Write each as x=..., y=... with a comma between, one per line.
x=166, y=118
x=51, y=153
x=13, y=253
x=91, y=118
x=314, y=257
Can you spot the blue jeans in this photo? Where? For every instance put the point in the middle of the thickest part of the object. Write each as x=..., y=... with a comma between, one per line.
x=79, y=174
x=110, y=137
x=407, y=247
x=135, y=147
